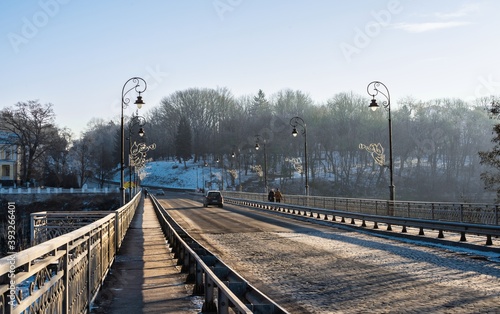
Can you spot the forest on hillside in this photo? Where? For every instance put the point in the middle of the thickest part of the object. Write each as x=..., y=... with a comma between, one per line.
x=435, y=143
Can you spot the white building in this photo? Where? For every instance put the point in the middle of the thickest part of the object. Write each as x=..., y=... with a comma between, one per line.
x=9, y=159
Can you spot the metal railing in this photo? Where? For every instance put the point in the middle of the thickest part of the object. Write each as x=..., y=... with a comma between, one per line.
x=474, y=213
x=211, y=277
x=63, y=274
x=49, y=190
x=444, y=217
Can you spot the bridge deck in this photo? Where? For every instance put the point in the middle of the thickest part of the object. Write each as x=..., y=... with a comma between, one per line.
x=144, y=277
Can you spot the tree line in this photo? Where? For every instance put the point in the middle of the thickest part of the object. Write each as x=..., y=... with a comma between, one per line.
x=436, y=143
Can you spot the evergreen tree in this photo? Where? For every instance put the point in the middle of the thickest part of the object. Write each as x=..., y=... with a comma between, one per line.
x=260, y=104
x=183, y=141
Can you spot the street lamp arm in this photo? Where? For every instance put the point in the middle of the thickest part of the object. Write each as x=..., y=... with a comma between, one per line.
x=138, y=81
x=136, y=120
x=373, y=90
x=298, y=121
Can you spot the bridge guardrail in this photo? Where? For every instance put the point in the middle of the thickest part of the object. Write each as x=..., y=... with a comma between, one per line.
x=208, y=273
x=49, y=190
x=487, y=230
x=474, y=213
x=65, y=273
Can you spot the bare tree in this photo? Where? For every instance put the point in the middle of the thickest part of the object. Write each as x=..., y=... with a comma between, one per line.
x=81, y=156
x=96, y=151
x=33, y=125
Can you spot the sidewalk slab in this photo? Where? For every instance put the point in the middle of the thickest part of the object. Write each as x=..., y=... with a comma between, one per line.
x=144, y=277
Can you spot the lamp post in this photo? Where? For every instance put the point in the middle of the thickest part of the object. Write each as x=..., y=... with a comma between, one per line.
x=139, y=85
x=221, y=185
x=257, y=146
x=233, y=154
x=373, y=89
x=206, y=165
x=294, y=123
x=135, y=121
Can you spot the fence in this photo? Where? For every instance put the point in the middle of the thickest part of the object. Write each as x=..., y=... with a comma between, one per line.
x=56, y=190
x=475, y=213
x=64, y=273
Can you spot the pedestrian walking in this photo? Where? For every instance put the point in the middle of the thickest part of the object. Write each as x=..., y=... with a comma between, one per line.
x=278, y=196
x=270, y=196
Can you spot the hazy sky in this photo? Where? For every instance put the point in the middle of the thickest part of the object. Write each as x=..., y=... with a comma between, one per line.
x=78, y=54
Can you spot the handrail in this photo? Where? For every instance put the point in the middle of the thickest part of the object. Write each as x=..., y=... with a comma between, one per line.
x=49, y=190
x=474, y=213
x=65, y=273
x=442, y=226
x=208, y=273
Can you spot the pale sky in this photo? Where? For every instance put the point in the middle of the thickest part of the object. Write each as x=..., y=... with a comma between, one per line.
x=78, y=54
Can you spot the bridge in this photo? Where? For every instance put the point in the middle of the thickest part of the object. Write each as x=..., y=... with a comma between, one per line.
x=112, y=262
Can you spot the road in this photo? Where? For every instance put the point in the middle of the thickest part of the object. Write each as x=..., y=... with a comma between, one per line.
x=311, y=268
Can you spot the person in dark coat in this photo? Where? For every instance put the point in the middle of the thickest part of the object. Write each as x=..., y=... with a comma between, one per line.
x=270, y=196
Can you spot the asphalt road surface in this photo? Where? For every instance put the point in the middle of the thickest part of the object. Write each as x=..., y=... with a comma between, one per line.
x=313, y=268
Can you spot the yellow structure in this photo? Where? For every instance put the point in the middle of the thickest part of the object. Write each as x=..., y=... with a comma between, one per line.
x=9, y=159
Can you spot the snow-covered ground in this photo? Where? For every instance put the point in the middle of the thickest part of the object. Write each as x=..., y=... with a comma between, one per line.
x=172, y=174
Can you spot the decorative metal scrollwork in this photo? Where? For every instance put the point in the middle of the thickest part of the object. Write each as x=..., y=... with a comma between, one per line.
x=138, y=153
x=376, y=151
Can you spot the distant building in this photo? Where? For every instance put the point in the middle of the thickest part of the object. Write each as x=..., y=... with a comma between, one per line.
x=9, y=159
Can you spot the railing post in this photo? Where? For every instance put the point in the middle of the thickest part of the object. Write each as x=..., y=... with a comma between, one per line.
x=117, y=231
x=32, y=229
x=197, y=271
x=65, y=279
x=89, y=270
x=209, y=304
x=496, y=215
x=223, y=302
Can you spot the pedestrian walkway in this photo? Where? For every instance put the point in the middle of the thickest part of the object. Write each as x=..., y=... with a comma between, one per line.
x=144, y=277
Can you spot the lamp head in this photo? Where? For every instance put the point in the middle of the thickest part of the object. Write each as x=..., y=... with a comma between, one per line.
x=141, y=132
x=139, y=102
x=294, y=132
x=233, y=154
x=257, y=146
x=373, y=105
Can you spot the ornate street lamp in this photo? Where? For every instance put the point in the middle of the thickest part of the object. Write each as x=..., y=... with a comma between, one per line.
x=139, y=86
x=299, y=122
x=206, y=165
x=233, y=155
x=373, y=89
x=135, y=121
x=257, y=146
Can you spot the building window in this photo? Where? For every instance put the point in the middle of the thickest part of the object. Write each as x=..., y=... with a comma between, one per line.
x=6, y=171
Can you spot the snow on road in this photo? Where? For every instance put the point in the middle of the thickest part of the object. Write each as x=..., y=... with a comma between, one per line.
x=347, y=272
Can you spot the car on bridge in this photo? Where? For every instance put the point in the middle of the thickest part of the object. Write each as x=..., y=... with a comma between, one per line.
x=213, y=198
